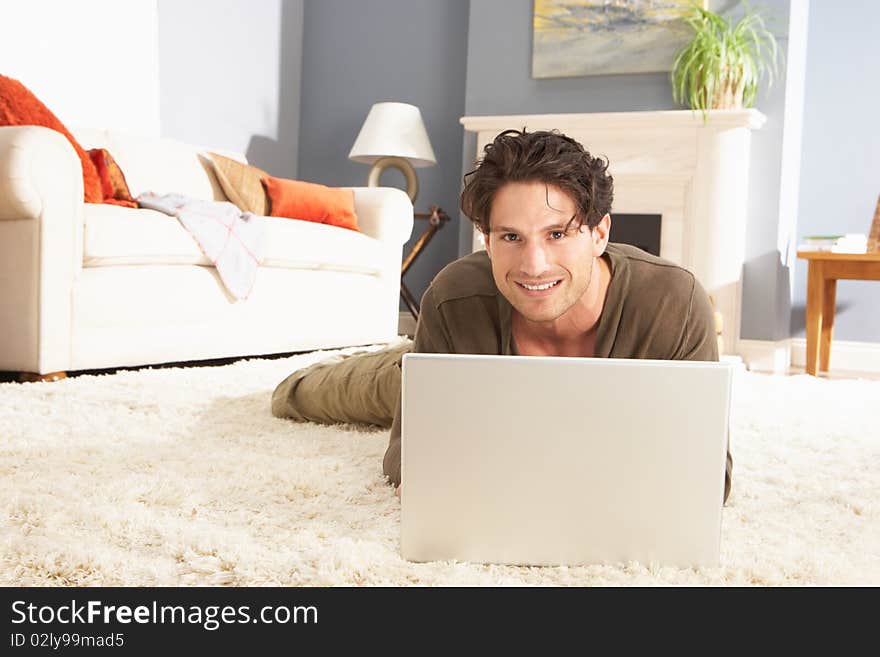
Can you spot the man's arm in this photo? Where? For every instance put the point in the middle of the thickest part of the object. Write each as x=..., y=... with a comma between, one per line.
x=431, y=337
x=700, y=342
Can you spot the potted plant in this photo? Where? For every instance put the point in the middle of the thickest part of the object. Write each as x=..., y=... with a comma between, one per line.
x=723, y=64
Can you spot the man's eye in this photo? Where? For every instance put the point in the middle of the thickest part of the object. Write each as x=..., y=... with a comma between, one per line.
x=557, y=234
x=509, y=237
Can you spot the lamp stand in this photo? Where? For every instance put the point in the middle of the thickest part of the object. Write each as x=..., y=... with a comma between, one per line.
x=412, y=182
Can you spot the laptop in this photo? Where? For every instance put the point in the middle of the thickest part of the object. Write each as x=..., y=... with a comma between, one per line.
x=563, y=461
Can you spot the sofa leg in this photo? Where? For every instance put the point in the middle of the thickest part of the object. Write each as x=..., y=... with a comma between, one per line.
x=30, y=377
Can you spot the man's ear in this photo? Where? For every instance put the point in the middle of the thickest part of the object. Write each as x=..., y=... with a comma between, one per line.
x=486, y=243
x=600, y=235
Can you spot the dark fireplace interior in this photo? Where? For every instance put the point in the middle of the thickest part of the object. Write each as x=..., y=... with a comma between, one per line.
x=641, y=230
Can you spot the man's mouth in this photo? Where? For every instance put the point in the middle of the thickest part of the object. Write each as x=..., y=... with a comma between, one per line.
x=538, y=287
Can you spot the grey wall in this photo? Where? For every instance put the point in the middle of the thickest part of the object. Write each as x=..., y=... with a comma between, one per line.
x=840, y=171
x=229, y=77
x=499, y=82
x=359, y=53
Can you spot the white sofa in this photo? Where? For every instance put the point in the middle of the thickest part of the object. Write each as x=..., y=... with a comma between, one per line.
x=87, y=286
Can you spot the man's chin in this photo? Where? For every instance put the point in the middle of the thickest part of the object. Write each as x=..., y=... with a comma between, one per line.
x=538, y=315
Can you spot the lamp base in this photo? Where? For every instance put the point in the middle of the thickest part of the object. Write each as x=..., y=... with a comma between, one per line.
x=400, y=163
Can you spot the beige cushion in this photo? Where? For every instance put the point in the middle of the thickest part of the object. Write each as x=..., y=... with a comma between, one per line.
x=241, y=183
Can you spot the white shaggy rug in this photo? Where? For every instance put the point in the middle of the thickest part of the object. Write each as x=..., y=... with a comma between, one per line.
x=183, y=477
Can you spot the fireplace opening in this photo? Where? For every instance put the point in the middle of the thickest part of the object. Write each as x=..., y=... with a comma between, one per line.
x=640, y=230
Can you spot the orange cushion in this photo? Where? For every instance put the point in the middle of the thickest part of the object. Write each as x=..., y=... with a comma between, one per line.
x=113, y=186
x=18, y=106
x=296, y=199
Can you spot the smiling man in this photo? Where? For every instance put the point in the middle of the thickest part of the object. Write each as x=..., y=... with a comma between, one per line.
x=548, y=284
x=548, y=268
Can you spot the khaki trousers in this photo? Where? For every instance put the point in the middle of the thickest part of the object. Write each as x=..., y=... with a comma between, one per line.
x=362, y=387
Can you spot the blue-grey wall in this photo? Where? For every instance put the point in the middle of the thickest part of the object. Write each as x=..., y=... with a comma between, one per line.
x=229, y=77
x=499, y=82
x=840, y=170
x=359, y=53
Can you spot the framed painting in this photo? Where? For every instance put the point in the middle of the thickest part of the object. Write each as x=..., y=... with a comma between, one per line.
x=605, y=37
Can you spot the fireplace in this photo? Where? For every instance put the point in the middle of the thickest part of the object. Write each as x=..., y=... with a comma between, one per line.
x=692, y=174
x=641, y=230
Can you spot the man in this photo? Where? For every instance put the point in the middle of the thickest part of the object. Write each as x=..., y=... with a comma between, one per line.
x=548, y=284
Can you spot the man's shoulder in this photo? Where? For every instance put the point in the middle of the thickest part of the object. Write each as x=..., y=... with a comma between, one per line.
x=642, y=265
x=658, y=309
x=469, y=276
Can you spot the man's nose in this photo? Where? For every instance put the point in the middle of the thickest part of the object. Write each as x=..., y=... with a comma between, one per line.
x=534, y=261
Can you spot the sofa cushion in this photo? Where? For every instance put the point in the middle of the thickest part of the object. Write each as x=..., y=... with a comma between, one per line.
x=297, y=199
x=163, y=166
x=126, y=236
x=113, y=185
x=241, y=183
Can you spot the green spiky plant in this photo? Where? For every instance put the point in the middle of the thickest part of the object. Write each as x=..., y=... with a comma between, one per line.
x=723, y=64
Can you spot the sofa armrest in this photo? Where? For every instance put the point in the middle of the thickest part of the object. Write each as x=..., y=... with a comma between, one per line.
x=41, y=237
x=38, y=167
x=385, y=213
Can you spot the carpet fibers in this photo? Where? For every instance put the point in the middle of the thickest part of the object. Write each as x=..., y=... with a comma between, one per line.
x=181, y=476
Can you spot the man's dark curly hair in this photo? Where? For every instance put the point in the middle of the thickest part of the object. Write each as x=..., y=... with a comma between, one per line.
x=543, y=156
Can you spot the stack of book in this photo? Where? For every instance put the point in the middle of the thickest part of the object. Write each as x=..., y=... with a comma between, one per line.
x=849, y=243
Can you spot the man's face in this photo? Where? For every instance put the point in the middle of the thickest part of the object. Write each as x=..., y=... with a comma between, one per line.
x=540, y=266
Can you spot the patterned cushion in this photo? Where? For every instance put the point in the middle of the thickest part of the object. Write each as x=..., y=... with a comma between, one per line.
x=113, y=185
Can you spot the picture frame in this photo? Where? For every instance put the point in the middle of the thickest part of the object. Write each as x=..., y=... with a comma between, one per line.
x=600, y=37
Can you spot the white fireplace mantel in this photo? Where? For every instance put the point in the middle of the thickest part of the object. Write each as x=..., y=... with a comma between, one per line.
x=691, y=171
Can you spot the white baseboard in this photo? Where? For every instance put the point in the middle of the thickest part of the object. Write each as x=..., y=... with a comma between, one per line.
x=406, y=323
x=777, y=357
x=847, y=356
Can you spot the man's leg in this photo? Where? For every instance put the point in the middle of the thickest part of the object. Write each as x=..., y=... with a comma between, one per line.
x=362, y=387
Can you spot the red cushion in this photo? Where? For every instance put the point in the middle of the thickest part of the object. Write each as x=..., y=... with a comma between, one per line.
x=296, y=199
x=113, y=186
x=18, y=106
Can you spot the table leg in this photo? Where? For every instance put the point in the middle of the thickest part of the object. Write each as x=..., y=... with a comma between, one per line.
x=829, y=294
x=815, y=307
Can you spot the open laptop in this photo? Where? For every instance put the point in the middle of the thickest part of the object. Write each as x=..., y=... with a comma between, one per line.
x=563, y=461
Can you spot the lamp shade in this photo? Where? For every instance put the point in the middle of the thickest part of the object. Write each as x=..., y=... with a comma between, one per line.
x=393, y=130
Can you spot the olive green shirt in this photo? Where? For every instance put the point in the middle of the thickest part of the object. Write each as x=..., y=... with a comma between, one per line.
x=653, y=309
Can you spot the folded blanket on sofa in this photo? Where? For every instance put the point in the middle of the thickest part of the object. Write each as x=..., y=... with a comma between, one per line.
x=231, y=239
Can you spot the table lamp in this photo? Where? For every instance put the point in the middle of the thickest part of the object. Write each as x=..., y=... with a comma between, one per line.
x=394, y=136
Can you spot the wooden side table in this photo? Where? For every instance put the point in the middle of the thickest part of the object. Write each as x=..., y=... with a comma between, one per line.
x=436, y=218
x=825, y=269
